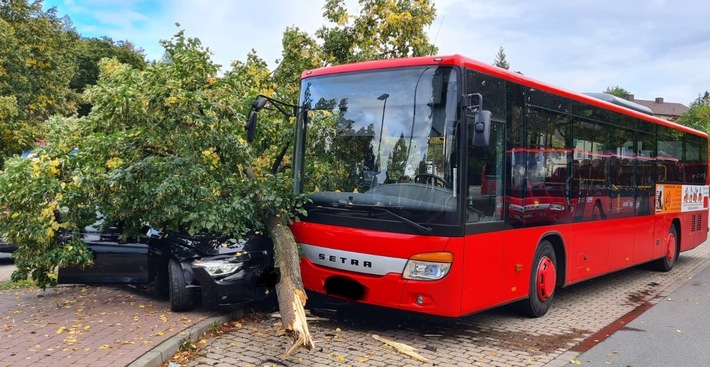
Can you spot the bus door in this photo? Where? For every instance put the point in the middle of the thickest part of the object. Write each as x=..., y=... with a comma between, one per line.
x=484, y=220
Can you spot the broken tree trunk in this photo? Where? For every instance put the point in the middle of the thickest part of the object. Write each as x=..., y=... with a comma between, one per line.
x=289, y=290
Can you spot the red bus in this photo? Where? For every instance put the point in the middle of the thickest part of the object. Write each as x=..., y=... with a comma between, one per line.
x=447, y=186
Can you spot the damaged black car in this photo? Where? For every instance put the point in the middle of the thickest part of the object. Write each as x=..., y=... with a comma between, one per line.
x=6, y=247
x=214, y=271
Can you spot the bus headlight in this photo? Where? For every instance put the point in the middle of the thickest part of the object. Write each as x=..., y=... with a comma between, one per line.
x=218, y=269
x=428, y=266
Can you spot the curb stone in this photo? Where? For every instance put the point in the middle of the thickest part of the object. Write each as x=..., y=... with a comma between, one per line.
x=167, y=349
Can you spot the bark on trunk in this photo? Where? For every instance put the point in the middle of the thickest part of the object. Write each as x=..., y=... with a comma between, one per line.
x=289, y=291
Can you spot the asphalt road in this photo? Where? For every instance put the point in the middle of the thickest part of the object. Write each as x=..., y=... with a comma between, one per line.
x=674, y=332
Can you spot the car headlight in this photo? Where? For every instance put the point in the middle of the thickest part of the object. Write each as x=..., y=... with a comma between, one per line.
x=218, y=269
x=428, y=266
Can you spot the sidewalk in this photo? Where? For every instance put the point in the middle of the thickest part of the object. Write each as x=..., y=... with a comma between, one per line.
x=91, y=326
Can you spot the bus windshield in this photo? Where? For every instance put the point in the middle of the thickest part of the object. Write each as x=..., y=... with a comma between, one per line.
x=381, y=139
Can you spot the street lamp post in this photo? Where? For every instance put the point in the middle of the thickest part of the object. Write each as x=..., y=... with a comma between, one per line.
x=382, y=97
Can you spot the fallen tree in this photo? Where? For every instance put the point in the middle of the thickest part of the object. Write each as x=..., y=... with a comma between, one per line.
x=166, y=146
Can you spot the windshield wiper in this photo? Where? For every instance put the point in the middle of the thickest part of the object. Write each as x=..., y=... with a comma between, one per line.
x=412, y=223
x=405, y=220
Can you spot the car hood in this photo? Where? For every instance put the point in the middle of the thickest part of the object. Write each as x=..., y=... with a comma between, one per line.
x=184, y=246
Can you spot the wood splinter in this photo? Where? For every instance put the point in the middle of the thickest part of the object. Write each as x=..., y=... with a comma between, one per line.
x=402, y=348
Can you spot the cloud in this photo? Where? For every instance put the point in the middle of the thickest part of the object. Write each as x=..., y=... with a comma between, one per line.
x=651, y=48
x=655, y=48
x=231, y=29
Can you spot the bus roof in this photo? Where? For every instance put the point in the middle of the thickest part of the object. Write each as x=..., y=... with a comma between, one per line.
x=462, y=61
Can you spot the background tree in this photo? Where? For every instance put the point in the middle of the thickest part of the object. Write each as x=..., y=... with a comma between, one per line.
x=698, y=116
x=500, y=60
x=384, y=29
x=36, y=65
x=618, y=92
x=397, y=159
x=89, y=51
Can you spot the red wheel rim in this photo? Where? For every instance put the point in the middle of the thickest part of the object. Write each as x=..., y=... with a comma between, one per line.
x=670, y=247
x=546, y=278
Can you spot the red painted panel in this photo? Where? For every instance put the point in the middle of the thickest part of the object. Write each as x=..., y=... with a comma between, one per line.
x=520, y=245
x=368, y=241
x=621, y=242
x=442, y=297
x=483, y=266
x=644, y=241
x=589, y=250
x=493, y=268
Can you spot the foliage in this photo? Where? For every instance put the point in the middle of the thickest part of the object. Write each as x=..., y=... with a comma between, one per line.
x=698, y=116
x=8, y=285
x=89, y=51
x=397, y=160
x=500, y=60
x=164, y=143
x=617, y=91
x=384, y=29
x=31, y=191
x=36, y=65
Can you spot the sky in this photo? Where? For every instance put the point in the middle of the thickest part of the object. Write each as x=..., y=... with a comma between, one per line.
x=651, y=48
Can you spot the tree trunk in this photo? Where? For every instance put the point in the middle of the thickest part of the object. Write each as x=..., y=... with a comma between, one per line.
x=289, y=291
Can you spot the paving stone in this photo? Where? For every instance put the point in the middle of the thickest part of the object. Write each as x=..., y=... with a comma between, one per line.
x=498, y=337
x=116, y=326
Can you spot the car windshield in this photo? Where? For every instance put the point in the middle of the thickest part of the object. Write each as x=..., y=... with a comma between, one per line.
x=381, y=138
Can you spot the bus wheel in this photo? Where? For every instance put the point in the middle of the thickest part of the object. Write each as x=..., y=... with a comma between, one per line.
x=543, y=279
x=666, y=263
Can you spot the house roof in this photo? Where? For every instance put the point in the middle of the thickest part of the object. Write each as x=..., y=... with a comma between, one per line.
x=662, y=108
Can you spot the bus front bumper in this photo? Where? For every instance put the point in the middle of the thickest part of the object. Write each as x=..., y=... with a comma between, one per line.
x=438, y=298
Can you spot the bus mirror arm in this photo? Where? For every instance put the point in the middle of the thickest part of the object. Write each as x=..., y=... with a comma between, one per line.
x=258, y=104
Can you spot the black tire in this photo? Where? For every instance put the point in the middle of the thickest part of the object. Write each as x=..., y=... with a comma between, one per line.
x=543, y=280
x=181, y=297
x=162, y=283
x=666, y=263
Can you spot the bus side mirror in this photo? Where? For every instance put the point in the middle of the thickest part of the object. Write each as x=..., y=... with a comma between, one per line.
x=481, y=128
x=250, y=126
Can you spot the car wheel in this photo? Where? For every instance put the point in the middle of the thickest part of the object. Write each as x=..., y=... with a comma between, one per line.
x=182, y=298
